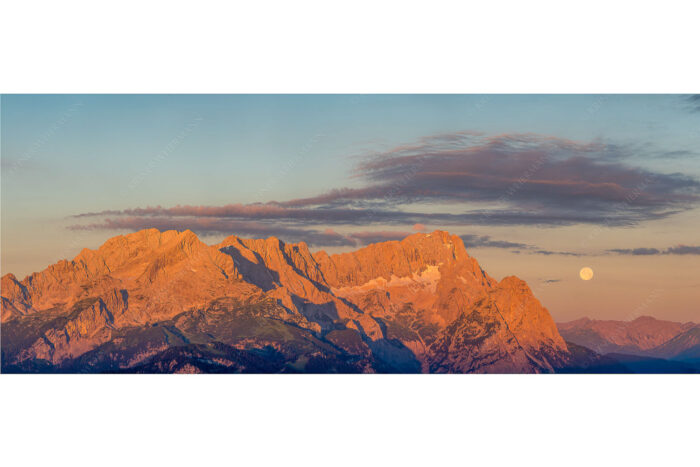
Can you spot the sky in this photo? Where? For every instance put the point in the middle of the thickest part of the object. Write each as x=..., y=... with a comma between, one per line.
x=537, y=186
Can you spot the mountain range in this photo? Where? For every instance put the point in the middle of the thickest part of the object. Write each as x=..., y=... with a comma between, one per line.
x=644, y=336
x=165, y=302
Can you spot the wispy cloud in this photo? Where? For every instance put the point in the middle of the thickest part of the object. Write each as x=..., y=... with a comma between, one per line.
x=394, y=215
x=544, y=177
x=485, y=241
x=508, y=179
x=674, y=250
x=560, y=253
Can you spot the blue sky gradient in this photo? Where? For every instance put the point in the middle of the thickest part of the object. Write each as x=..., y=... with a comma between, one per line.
x=68, y=155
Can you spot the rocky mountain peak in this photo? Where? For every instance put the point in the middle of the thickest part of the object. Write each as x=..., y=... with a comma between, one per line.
x=418, y=304
x=401, y=258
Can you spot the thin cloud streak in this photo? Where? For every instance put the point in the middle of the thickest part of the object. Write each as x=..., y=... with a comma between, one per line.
x=485, y=241
x=674, y=250
x=382, y=215
x=560, y=253
x=320, y=238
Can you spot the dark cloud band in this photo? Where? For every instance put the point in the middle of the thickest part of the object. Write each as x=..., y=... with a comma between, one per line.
x=457, y=179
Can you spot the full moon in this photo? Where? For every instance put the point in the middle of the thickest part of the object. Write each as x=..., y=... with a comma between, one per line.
x=586, y=273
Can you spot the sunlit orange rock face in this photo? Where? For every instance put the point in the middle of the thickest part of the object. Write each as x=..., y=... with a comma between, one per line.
x=166, y=302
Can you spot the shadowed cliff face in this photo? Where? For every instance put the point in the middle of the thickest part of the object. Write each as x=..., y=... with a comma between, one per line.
x=152, y=302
